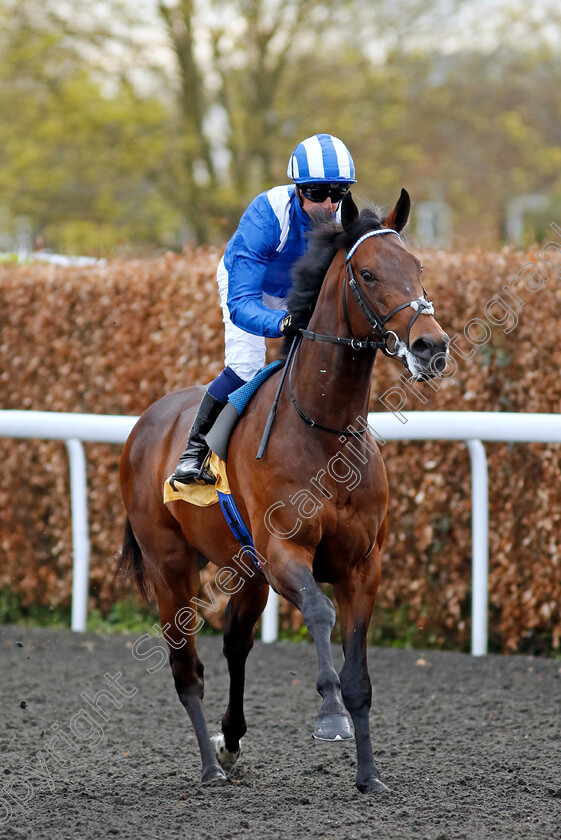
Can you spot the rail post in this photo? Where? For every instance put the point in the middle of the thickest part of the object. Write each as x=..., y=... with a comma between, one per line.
x=479, y=547
x=270, y=618
x=80, y=538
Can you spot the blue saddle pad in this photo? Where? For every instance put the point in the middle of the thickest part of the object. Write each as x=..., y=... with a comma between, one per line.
x=240, y=397
x=219, y=435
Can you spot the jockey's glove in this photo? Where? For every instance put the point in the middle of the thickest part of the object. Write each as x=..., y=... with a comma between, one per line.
x=293, y=323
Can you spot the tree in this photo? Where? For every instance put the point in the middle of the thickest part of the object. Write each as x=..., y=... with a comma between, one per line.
x=232, y=59
x=160, y=120
x=76, y=158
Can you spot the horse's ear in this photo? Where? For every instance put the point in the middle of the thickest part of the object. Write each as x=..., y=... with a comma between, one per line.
x=349, y=211
x=400, y=213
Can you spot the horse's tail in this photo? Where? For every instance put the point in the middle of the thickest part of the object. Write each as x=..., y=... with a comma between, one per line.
x=130, y=562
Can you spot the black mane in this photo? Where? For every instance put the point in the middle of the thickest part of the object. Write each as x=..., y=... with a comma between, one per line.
x=326, y=237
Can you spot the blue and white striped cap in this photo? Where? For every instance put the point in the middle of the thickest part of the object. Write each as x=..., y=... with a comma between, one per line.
x=321, y=158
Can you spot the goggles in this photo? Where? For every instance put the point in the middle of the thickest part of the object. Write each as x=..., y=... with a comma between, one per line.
x=318, y=194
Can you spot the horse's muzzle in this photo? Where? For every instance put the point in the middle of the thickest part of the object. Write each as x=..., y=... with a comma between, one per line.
x=431, y=355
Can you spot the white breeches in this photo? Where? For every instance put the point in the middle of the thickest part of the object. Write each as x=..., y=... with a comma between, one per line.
x=245, y=353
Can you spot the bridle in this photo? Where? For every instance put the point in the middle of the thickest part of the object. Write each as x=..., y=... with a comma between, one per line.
x=420, y=305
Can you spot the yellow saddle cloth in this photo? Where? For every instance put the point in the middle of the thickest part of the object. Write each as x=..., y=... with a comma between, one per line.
x=201, y=495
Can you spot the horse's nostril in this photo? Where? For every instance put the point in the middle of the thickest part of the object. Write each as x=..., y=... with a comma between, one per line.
x=423, y=348
x=439, y=363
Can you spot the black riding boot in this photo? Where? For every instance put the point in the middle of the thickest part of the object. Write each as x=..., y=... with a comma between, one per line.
x=190, y=466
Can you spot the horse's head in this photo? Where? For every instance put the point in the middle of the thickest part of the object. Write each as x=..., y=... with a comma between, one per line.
x=384, y=298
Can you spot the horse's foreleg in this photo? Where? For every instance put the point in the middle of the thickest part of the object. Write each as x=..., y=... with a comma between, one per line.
x=291, y=575
x=356, y=596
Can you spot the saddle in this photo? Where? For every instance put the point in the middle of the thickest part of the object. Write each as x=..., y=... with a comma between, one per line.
x=223, y=427
x=203, y=495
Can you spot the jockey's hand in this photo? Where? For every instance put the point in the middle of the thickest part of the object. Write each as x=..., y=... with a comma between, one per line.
x=292, y=324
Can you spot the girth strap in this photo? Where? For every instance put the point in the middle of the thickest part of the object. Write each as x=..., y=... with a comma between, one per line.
x=238, y=527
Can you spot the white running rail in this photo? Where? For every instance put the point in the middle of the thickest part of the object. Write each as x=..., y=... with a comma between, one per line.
x=471, y=427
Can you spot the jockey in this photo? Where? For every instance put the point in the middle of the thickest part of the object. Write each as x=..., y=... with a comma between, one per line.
x=255, y=273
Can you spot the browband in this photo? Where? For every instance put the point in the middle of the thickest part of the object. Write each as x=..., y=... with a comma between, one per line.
x=367, y=236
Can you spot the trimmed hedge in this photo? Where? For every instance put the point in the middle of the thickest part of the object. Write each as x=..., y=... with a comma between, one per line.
x=113, y=338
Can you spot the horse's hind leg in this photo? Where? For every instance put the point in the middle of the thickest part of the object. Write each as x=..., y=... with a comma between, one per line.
x=187, y=670
x=175, y=587
x=242, y=612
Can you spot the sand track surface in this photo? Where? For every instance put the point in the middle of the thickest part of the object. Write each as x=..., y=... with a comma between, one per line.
x=470, y=748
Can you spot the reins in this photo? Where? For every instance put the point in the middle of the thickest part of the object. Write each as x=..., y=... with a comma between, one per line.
x=420, y=305
x=308, y=419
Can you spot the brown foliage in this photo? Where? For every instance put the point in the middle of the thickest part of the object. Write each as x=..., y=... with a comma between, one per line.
x=113, y=338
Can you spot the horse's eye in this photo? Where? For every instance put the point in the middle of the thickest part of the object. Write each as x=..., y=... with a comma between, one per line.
x=367, y=276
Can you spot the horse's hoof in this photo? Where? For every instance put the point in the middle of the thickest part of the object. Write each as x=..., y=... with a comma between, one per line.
x=333, y=728
x=372, y=785
x=226, y=758
x=213, y=775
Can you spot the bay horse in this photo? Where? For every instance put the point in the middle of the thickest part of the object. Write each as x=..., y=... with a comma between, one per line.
x=316, y=509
